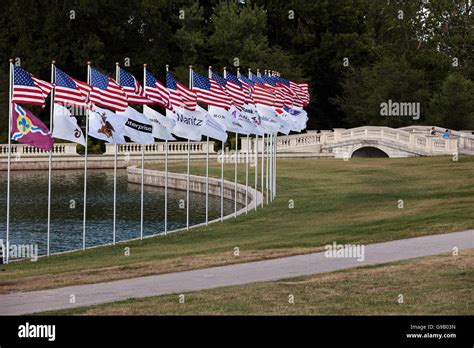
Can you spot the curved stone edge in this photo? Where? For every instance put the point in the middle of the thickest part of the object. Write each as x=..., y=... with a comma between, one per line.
x=197, y=183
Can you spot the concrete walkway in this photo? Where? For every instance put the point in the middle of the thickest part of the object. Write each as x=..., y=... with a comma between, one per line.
x=215, y=277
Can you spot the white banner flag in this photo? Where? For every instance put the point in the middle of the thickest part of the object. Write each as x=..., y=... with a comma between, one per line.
x=211, y=128
x=189, y=124
x=65, y=126
x=137, y=127
x=250, y=117
x=162, y=125
x=106, y=125
x=268, y=120
x=226, y=118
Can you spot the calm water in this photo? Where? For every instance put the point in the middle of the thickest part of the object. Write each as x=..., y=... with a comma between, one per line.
x=28, y=208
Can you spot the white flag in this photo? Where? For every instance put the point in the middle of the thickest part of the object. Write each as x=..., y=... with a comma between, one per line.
x=250, y=120
x=65, y=126
x=106, y=125
x=162, y=125
x=226, y=118
x=299, y=117
x=211, y=128
x=137, y=127
x=268, y=120
x=189, y=124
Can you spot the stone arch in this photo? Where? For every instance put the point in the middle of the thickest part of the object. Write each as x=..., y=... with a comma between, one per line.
x=369, y=151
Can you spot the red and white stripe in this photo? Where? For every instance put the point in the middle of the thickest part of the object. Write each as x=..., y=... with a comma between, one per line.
x=236, y=94
x=188, y=96
x=136, y=95
x=113, y=97
x=73, y=96
x=247, y=89
x=32, y=94
x=158, y=94
x=263, y=95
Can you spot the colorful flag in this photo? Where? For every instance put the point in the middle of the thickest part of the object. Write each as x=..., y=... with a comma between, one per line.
x=137, y=127
x=69, y=91
x=180, y=96
x=27, y=89
x=208, y=91
x=162, y=125
x=106, y=92
x=106, y=125
x=156, y=91
x=65, y=125
x=134, y=91
x=268, y=120
x=28, y=129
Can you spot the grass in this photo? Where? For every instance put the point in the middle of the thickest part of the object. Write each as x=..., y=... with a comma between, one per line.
x=437, y=285
x=352, y=201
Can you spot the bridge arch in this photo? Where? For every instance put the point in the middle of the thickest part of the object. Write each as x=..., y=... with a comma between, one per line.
x=369, y=151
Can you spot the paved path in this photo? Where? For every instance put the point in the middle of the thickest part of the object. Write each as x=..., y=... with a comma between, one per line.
x=245, y=273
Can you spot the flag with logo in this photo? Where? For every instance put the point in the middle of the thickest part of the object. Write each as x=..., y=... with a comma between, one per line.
x=268, y=120
x=189, y=124
x=28, y=129
x=137, y=127
x=65, y=125
x=162, y=126
x=212, y=128
x=225, y=118
x=106, y=125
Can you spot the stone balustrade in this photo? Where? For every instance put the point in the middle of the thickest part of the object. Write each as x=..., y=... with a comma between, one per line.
x=174, y=147
x=59, y=149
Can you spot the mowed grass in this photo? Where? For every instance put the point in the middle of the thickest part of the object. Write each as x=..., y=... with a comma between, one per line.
x=356, y=201
x=436, y=285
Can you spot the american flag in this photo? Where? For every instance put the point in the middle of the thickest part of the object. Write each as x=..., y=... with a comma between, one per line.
x=270, y=82
x=291, y=98
x=261, y=93
x=155, y=90
x=247, y=87
x=27, y=89
x=301, y=90
x=234, y=89
x=106, y=92
x=210, y=92
x=70, y=91
x=180, y=95
x=134, y=91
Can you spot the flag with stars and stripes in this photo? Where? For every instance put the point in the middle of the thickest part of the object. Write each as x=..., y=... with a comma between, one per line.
x=180, y=95
x=134, y=91
x=210, y=92
x=234, y=89
x=27, y=89
x=156, y=91
x=69, y=91
x=247, y=88
x=301, y=90
x=106, y=92
x=261, y=93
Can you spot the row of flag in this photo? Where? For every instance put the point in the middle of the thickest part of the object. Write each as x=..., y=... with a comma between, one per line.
x=258, y=105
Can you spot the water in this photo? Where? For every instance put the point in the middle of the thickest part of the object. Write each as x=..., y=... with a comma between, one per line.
x=29, y=204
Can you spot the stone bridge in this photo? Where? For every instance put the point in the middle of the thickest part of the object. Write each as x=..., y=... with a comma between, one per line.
x=374, y=141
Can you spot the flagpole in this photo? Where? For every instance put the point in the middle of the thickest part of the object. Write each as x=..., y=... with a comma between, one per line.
x=276, y=160
x=50, y=160
x=114, y=229
x=142, y=202
x=166, y=179
x=6, y=252
x=207, y=166
x=255, y=157
x=270, y=180
x=189, y=155
x=222, y=182
x=246, y=165
x=85, y=166
x=263, y=168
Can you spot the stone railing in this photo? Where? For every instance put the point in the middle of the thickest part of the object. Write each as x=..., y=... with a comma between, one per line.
x=174, y=147
x=59, y=149
x=410, y=141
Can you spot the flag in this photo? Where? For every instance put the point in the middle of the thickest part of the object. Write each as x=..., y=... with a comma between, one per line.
x=299, y=116
x=70, y=91
x=134, y=91
x=189, y=124
x=156, y=91
x=106, y=125
x=27, y=89
x=251, y=118
x=304, y=88
x=234, y=89
x=262, y=94
x=212, y=129
x=247, y=88
x=106, y=92
x=301, y=90
x=270, y=83
x=65, y=125
x=283, y=118
x=28, y=129
x=225, y=118
x=208, y=91
x=137, y=127
x=180, y=96
x=268, y=120
x=162, y=126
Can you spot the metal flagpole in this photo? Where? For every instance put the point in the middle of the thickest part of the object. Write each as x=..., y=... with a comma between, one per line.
x=256, y=157
x=207, y=182
x=267, y=166
x=189, y=154
x=235, y=175
x=114, y=228
x=85, y=166
x=275, y=145
x=6, y=251
x=142, y=202
x=263, y=168
x=50, y=160
x=271, y=168
x=166, y=179
x=222, y=182
x=246, y=166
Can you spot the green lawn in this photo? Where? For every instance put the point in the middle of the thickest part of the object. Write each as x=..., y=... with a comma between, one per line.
x=436, y=285
x=352, y=201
